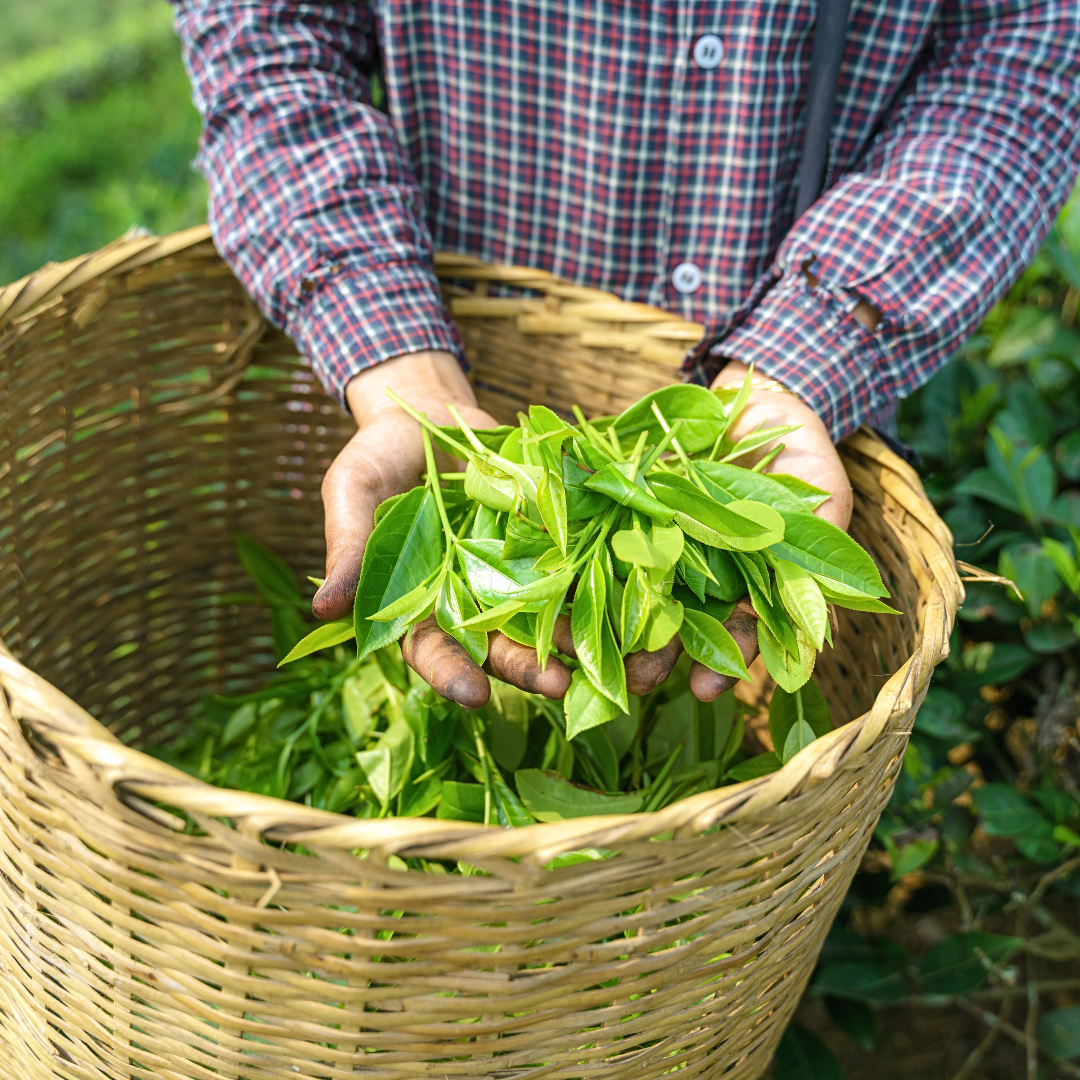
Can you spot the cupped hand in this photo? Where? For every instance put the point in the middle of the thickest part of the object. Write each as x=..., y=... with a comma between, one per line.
x=386, y=457
x=809, y=454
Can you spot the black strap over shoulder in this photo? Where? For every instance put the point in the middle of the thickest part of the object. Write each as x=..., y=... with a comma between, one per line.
x=830, y=36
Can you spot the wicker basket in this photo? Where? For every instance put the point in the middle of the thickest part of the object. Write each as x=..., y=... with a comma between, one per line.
x=148, y=412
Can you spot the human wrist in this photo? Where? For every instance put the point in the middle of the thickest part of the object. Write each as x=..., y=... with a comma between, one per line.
x=430, y=377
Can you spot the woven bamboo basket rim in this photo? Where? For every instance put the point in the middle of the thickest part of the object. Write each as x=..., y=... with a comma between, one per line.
x=611, y=322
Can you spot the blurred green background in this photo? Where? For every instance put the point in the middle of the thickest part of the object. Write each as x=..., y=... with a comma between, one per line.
x=97, y=129
x=97, y=134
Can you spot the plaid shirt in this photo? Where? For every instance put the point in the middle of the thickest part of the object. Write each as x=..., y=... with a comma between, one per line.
x=648, y=148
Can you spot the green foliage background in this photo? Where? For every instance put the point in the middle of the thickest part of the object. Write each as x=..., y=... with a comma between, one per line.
x=97, y=129
x=97, y=134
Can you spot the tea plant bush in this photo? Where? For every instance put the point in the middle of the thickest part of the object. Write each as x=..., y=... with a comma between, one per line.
x=984, y=825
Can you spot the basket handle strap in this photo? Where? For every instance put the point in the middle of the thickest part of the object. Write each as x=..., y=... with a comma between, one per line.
x=830, y=37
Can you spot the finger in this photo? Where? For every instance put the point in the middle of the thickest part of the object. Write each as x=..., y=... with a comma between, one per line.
x=517, y=665
x=444, y=664
x=647, y=670
x=708, y=685
x=377, y=462
x=562, y=638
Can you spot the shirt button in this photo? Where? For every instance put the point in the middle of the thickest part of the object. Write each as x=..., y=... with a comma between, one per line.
x=686, y=277
x=708, y=51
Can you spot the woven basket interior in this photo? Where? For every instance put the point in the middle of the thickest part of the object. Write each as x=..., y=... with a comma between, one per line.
x=126, y=473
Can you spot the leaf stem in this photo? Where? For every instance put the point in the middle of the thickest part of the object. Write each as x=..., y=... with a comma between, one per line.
x=436, y=490
x=768, y=459
x=426, y=424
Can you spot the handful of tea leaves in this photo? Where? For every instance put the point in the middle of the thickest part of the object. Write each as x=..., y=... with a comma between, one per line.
x=366, y=736
x=640, y=527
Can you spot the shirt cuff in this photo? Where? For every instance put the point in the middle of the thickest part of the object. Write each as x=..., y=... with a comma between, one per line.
x=351, y=320
x=805, y=338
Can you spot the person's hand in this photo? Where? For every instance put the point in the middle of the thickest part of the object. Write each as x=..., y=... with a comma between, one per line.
x=808, y=454
x=386, y=457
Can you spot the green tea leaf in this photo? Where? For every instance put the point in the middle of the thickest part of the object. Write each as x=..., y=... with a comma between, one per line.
x=752, y=768
x=586, y=707
x=620, y=481
x=743, y=524
x=802, y=599
x=856, y=1019
x=387, y=765
x=636, y=601
x=455, y=607
x=420, y=799
x=404, y=550
x=550, y=797
x=325, y=636
x=788, y=709
x=491, y=579
x=727, y=583
x=269, y=572
x=700, y=410
x=634, y=547
x=757, y=439
x=662, y=624
x=461, y=802
x=412, y=605
x=594, y=640
x=492, y=619
x=581, y=502
x=800, y=736
x=709, y=643
x=551, y=500
x=823, y=549
x=788, y=671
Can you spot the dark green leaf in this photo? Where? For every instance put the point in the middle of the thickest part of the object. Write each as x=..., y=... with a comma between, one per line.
x=269, y=572
x=709, y=643
x=404, y=550
x=729, y=584
x=954, y=966
x=941, y=715
x=863, y=980
x=855, y=1019
x=420, y=799
x=461, y=802
x=581, y=502
x=752, y=768
x=620, y=482
x=1058, y=1032
x=1004, y=811
x=991, y=662
x=801, y=1055
x=786, y=710
x=550, y=797
x=586, y=707
x=388, y=764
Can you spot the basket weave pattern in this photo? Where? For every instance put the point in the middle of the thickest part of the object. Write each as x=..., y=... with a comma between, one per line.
x=148, y=413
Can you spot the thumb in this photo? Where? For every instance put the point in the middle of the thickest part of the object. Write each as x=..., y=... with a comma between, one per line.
x=379, y=461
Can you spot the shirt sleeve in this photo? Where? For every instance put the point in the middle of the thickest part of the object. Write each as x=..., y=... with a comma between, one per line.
x=944, y=210
x=312, y=203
